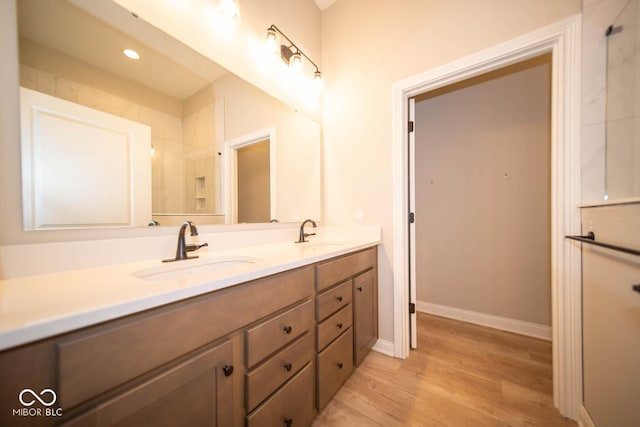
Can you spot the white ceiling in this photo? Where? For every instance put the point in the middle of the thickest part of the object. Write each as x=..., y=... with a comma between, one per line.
x=323, y=4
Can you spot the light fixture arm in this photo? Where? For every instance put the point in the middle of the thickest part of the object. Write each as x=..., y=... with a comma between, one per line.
x=292, y=44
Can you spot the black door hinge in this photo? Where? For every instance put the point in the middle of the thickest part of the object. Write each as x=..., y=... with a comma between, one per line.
x=412, y=217
x=410, y=127
x=412, y=308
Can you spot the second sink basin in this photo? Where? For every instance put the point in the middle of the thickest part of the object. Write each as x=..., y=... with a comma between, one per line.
x=195, y=267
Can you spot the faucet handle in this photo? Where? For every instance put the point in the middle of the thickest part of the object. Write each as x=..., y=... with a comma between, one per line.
x=191, y=248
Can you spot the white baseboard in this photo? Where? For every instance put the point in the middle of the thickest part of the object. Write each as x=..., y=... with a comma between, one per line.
x=384, y=347
x=585, y=419
x=496, y=322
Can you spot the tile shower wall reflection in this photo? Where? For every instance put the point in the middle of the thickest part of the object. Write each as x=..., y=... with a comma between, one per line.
x=184, y=147
x=597, y=16
x=622, y=165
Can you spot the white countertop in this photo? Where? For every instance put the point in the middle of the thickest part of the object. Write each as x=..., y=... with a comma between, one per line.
x=41, y=306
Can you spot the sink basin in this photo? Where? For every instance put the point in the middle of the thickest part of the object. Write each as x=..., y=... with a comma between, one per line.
x=196, y=267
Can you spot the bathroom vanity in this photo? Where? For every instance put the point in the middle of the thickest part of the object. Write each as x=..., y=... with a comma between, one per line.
x=271, y=351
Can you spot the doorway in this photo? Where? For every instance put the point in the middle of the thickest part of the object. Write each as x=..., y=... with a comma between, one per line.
x=563, y=41
x=249, y=171
x=482, y=199
x=253, y=183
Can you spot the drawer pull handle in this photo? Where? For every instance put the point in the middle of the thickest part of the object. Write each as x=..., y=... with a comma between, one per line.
x=340, y=365
x=339, y=325
x=287, y=329
x=339, y=298
x=359, y=288
x=288, y=367
x=288, y=422
x=228, y=370
x=636, y=287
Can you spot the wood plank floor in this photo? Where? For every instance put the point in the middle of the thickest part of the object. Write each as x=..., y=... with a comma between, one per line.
x=462, y=375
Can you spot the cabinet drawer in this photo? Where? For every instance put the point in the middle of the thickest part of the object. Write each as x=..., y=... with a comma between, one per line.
x=334, y=326
x=335, y=364
x=268, y=337
x=292, y=402
x=332, y=272
x=264, y=380
x=94, y=361
x=332, y=300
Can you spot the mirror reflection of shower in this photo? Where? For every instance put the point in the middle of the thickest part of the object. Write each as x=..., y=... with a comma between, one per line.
x=622, y=125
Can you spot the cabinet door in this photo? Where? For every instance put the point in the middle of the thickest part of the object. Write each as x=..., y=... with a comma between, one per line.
x=196, y=392
x=611, y=337
x=365, y=314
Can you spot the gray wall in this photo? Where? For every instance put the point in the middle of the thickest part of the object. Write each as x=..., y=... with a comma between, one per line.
x=483, y=194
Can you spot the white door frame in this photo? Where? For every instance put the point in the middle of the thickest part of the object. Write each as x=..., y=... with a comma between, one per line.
x=563, y=41
x=231, y=173
x=411, y=164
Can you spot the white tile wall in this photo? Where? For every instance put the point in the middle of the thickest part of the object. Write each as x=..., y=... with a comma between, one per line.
x=597, y=16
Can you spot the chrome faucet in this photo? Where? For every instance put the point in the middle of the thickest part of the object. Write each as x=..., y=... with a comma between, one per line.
x=183, y=249
x=304, y=235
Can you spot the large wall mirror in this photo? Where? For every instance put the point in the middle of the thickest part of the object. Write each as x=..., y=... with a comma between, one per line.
x=110, y=141
x=622, y=145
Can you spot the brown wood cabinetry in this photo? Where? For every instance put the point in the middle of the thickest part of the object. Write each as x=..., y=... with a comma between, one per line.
x=270, y=352
x=286, y=376
x=365, y=314
x=195, y=392
x=346, y=310
x=335, y=364
x=292, y=405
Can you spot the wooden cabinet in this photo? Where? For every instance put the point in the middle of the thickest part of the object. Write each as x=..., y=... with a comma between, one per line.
x=282, y=384
x=195, y=392
x=100, y=358
x=269, y=336
x=267, y=377
x=346, y=310
x=611, y=337
x=335, y=365
x=187, y=358
x=335, y=340
x=269, y=352
x=290, y=406
x=365, y=314
x=337, y=270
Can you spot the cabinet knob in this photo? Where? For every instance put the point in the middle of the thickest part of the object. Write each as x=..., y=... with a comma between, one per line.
x=288, y=422
x=288, y=366
x=359, y=288
x=339, y=325
x=339, y=298
x=228, y=370
x=636, y=287
x=340, y=365
x=287, y=329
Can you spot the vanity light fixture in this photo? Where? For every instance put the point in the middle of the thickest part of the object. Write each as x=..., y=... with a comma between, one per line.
x=130, y=53
x=230, y=10
x=290, y=53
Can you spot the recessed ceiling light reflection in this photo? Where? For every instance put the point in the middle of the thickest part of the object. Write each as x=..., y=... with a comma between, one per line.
x=130, y=53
